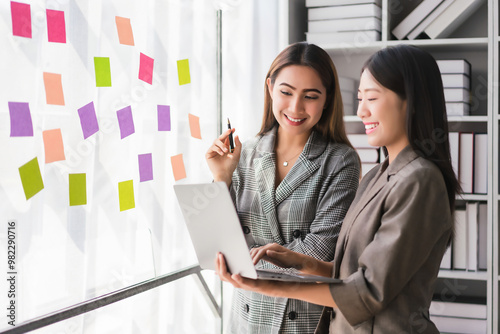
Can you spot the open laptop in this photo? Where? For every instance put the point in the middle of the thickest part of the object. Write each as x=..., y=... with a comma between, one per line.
x=214, y=226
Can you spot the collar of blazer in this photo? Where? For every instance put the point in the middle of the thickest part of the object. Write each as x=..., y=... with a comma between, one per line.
x=314, y=147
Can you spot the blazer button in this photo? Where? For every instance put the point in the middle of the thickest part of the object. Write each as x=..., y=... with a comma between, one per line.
x=292, y=315
x=297, y=234
x=246, y=229
x=247, y=308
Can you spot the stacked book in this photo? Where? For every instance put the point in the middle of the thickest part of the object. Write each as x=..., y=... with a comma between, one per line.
x=468, y=251
x=469, y=157
x=339, y=21
x=459, y=317
x=455, y=74
x=370, y=156
x=435, y=18
x=348, y=90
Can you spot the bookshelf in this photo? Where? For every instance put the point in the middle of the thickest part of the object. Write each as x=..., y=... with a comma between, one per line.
x=477, y=39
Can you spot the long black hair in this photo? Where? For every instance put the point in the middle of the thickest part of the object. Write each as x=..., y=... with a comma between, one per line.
x=414, y=76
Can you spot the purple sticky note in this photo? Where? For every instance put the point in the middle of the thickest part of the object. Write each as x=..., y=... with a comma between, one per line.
x=20, y=119
x=56, y=27
x=21, y=19
x=163, y=118
x=125, y=121
x=146, y=167
x=88, y=120
x=146, y=68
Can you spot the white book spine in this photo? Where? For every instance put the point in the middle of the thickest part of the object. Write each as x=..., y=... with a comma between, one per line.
x=455, y=309
x=453, y=138
x=466, y=164
x=459, y=251
x=471, y=208
x=414, y=18
x=456, y=95
x=454, y=66
x=432, y=16
x=353, y=24
x=460, y=325
x=480, y=163
x=370, y=155
x=457, y=109
x=455, y=81
x=343, y=37
x=327, y=3
x=483, y=236
x=359, y=140
x=342, y=12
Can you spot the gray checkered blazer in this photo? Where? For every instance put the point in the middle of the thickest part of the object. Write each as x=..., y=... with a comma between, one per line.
x=304, y=213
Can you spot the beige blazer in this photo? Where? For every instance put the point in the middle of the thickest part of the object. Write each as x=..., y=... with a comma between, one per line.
x=390, y=248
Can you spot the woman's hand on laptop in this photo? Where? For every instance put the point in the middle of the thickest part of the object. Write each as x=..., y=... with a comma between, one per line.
x=285, y=258
x=220, y=160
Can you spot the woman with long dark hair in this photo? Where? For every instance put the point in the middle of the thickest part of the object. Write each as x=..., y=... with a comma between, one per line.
x=293, y=183
x=399, y=225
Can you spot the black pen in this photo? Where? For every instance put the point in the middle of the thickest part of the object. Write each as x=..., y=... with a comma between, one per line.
x=231, y=143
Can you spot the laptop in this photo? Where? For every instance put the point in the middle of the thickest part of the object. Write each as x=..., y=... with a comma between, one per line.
x=213, y=226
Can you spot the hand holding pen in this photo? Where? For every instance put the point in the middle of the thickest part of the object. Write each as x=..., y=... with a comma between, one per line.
x=223, y=156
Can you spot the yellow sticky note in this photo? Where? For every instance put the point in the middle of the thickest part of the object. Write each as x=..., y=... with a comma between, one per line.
x=54, y=149
x=53, y=88
x=194, y=126
x=77, y=189
x=178, y=167
x=31, y=178
x=183, y=71
x=126, y=194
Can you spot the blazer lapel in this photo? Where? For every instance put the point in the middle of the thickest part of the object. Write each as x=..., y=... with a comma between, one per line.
x=302, y=169
x=265, y=174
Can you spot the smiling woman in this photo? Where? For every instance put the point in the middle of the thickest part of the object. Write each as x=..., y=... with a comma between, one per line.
x=293, y=183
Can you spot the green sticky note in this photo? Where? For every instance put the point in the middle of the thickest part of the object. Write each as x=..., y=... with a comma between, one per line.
x=77, y=189
x=126, y=193
x=31, y=178
x=102, y=72
x=183, y=71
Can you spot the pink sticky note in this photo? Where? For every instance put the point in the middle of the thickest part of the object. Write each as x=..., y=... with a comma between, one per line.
x=21, y=19
x=88, y=120
x=53, y=143
x=125, y=121
x=20, y=120
x=178, y=167
x=53, y=88
x=145, y=167
x=163, y=118
x=56, y=27
x=146, y=68
x=194, y=126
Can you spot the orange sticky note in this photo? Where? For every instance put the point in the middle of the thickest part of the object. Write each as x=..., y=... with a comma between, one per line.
x=178, y=167
x=124, y=28
x=194, y=126
x=53, y=88
x=54, y=149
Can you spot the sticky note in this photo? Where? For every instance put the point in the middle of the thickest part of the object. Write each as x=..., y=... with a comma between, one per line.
x=21, y=19
x=146, y=167
x=88, y=120
x=20, y=119
x=53, y=143
x=146, y=68
x=124, y=28
x=163, y=118
x=178, y=167
x=125, y=121
x=102, y=72
x=194, y=126
x=31, y=178
x=126, y=195
x=77, y=189
x=56, y=27
x=183, y=71
x=53, y=88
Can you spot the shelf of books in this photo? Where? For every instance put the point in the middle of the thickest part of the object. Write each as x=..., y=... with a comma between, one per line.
x=464, y=37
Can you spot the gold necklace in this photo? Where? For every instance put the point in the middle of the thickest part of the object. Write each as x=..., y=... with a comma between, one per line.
x=285, y=163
